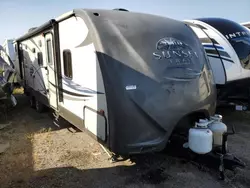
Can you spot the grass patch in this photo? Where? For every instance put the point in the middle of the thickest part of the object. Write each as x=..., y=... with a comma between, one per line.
x=45, y=130
x=29, y=136
x=18, y=91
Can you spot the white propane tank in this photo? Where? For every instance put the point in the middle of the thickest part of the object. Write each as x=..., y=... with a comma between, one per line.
x=200, y=138
x=218, y=128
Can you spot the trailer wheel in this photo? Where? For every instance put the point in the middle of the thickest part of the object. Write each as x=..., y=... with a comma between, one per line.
x=32, y=102
x=26, y=92
x=39, y=106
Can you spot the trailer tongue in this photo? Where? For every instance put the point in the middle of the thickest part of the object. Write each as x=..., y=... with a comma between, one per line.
x=207, y=145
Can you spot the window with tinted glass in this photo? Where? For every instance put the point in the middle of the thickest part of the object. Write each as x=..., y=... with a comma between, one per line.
x=40, y=58
x=67, y=63
x=242, y=48
x=49, y=50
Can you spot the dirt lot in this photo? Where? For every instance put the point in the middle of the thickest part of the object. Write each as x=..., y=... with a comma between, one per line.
x=42, y=155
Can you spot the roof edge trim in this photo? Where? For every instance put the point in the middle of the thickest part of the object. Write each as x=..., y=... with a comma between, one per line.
x=36, y=31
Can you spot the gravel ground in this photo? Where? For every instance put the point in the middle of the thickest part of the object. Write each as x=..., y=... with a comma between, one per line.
x=41, y=155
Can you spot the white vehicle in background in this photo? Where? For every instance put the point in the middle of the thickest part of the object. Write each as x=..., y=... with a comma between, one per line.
x=227, y=45
x=9, y=68
x=246, y=24
x=8, y=52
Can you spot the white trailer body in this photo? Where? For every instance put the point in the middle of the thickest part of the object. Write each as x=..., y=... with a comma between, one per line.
x=246, y=24
x=227, y=45
x=8, y=47
x=103, y=73
x=40, y=79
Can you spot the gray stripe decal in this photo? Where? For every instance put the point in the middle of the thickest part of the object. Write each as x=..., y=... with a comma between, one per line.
x=86, y=42
x=211, y=55
x=222, y=53
x=72, y=93
x=69, y=97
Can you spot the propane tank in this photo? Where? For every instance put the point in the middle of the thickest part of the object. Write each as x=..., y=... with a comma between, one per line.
x=218, y=128
x=200, y=138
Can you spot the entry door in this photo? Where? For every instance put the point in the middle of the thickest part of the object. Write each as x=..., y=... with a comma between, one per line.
x=26, y=70
x=52, y=93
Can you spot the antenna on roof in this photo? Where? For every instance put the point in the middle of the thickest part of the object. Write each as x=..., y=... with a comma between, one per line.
x=121, y=9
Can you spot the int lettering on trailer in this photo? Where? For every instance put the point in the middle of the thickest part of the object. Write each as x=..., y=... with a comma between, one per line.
x=237, y=34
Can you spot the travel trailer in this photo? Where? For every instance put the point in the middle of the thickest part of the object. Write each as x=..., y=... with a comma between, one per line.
x=107, y=72
x=8, y=52
x=246, y=24
x=8, y=78
x=5, y=57
x=227, y=45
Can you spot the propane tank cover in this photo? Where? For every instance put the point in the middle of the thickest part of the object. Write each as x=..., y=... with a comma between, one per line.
x=203, y=123
x=218, y=128
x=200, y=138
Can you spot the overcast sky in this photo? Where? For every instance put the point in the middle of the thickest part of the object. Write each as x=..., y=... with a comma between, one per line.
x=17, y=16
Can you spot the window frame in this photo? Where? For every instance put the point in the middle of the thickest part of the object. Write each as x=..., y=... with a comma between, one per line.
x=67, y=64
x=49, y=50
x=40, y=54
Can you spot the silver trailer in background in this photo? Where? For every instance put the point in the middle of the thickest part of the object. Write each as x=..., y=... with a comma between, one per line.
x=127, y=78
x=247, y=25
x=8, y=52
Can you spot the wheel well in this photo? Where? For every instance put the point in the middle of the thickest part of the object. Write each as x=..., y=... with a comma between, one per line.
x=188, y=121
x=33, y=97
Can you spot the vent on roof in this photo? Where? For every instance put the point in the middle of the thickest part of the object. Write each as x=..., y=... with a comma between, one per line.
x=31, y=29
x=121, y=9
x=96, y=14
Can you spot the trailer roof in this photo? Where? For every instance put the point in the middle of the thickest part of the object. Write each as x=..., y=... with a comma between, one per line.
x=80, y=12
x=246, y=24
x=36, y=31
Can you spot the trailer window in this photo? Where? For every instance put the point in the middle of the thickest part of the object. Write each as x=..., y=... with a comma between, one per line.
x=67, y=63
x=241, y=46
x=40, y=58
x=15, y=46
x=49, y=51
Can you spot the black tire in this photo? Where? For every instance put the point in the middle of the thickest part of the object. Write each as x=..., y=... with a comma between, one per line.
x=32, y=102
x=26, y=92
x=39, y=106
